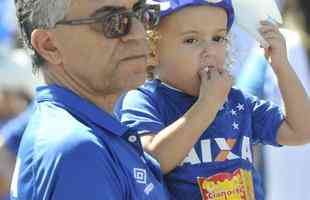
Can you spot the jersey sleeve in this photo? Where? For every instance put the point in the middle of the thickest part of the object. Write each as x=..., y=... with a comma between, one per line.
x=266, y=120
x=140, y=112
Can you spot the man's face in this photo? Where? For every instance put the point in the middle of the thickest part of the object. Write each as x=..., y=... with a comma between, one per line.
x=99, y=65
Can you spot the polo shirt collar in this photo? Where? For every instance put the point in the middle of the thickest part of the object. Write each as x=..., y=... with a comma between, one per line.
x=79, y=106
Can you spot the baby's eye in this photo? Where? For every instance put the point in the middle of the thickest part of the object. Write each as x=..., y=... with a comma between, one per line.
x=190, y=41
x=219, y=39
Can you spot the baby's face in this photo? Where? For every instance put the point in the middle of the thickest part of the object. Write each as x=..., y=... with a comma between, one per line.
x=191, y=39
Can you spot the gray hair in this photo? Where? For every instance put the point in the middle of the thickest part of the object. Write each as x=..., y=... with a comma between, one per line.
x=34, y=14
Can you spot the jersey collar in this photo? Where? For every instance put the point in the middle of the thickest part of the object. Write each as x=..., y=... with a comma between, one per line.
x=80, y=107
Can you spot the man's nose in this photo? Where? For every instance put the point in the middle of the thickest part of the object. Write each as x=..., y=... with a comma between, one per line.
x=136, y=32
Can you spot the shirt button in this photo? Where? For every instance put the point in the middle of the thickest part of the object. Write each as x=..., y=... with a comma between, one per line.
x=132, y=138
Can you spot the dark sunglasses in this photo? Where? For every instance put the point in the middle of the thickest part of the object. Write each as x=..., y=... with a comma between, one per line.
x=115, y=22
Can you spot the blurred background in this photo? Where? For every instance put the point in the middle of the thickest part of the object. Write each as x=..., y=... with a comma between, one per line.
x=285, y=170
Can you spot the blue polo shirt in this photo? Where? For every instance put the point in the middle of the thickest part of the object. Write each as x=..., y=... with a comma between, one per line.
x=72, y=149
x=220, y=165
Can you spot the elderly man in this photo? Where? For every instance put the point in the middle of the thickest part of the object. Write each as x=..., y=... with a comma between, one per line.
x=89, y=52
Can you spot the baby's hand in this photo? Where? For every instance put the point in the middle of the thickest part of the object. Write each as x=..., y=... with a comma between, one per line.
x=276, y=53
x=215, y=86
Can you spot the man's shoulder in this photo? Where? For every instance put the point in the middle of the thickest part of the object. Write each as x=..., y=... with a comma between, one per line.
x=49, y=118
x=55, y=131
x=57, y=142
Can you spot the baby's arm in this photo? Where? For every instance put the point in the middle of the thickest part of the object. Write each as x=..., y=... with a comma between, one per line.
x=295, y=130
x=171, y=145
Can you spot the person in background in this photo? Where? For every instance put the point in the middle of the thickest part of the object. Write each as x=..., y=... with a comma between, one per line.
x=10, y=137
x=16, y=92
x=7, y=24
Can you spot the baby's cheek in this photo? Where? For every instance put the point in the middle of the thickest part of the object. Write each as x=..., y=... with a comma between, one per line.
x=196, y=86
x=222, y=56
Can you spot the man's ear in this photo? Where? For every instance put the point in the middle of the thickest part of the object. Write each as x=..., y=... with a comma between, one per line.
x=45, y=44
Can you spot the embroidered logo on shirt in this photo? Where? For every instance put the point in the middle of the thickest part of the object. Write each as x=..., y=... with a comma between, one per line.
x=149, y=188
x=140, y=175
x=227, y=186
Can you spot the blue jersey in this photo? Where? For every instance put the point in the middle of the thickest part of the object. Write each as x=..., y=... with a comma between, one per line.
x=220, y=165
x=72, y=149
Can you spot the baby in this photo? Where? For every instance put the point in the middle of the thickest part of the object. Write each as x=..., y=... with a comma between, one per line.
x=200, y=128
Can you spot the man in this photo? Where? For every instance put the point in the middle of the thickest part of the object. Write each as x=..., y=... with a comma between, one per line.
x=88, y=52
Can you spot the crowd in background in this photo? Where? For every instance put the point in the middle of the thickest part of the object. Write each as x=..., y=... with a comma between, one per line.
x=17, y=84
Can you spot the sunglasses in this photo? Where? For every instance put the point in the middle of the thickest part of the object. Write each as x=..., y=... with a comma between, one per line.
x=116, y=22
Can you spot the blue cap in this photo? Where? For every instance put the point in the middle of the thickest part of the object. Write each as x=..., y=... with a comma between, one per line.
x=169, y=6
